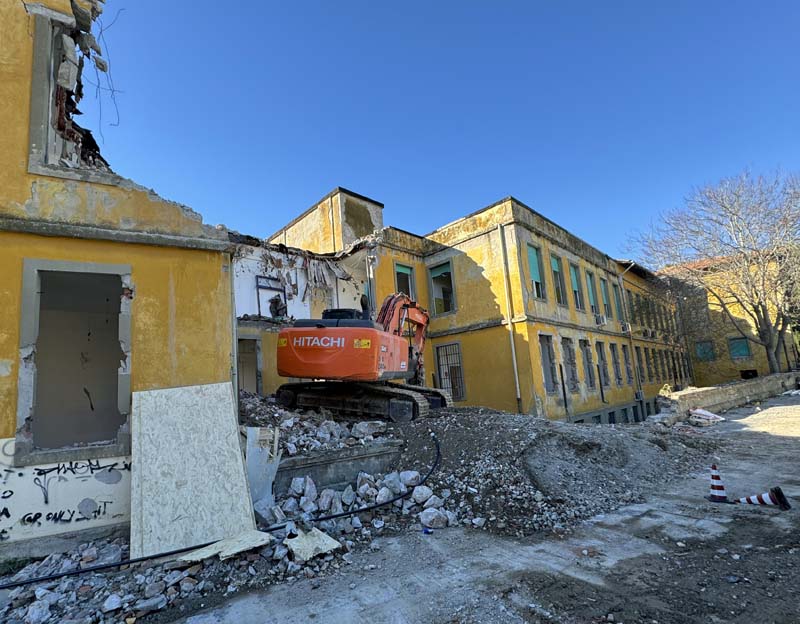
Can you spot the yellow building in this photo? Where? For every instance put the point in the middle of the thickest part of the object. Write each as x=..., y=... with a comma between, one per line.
x=105, y=288
x=524, y=315
x=721, y=351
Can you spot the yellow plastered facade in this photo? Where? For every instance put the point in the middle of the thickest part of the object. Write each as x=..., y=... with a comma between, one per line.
x=181, y=310
x=727, y=364
x=488, y=255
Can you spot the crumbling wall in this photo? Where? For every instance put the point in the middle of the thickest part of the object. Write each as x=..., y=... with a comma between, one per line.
x=675, y=407
x=308, y=283
x=47, y=185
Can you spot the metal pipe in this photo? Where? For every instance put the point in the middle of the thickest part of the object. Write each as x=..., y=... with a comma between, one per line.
x=234, y=335
x=563, y=389
x=506, y=279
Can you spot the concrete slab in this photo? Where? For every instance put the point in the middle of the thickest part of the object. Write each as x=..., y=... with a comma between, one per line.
x=188, y=483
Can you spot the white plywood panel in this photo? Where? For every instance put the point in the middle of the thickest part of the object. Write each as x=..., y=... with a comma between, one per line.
x=188, y=483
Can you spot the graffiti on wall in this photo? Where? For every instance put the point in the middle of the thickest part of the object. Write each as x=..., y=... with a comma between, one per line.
x=36, y=501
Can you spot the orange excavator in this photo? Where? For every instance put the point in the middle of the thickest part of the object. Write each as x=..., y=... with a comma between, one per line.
x=351, y=361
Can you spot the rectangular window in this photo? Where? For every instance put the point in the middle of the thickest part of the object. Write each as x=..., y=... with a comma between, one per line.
x=639, y=363
x=592, y=294
x=548, y=363
x=558, y=280
x=602, y=363
x=617, y=301
x=624, y=415
x=641, y=313
x=570, y=364
x=451, y=371
x=615, y=364
x=606, y=299
x=442, y=287
x=626, y=356
x=404, y=280
x=535, y=265
x=577, y=289
x=588, y=365
x=739, y=348
x=649, y=363
x=673, y=368
x=662, y=360
x=631, y=306
x=704, y=350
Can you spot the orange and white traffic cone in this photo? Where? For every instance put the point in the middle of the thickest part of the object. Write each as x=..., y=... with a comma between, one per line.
x=775, y=496
x=717, y=493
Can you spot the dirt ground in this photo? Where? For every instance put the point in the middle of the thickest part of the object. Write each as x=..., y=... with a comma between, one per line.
x=674, y=558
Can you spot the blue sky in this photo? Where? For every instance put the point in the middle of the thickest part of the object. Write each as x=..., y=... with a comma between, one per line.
x=596, y=114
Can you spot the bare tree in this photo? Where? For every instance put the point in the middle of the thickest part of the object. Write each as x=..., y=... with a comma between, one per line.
x=738, y=242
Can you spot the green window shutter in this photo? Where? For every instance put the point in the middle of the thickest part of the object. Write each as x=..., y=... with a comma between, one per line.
x=533, y=263
x=739, y=347
x=399, y=268
x=440, y=270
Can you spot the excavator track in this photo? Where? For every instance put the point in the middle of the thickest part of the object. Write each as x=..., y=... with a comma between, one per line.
x=360, y=399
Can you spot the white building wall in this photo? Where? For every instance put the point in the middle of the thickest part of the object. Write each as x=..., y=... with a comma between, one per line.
x=47, y=499
x=301, y=278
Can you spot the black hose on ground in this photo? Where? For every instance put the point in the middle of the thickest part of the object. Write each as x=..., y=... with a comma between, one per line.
x=274, y=527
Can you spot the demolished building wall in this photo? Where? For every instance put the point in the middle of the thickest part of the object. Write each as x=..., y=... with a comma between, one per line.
x=166, y=319
x=305, y=283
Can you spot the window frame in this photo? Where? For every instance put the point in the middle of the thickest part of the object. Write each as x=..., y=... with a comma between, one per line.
x=713, y=350
x=615, y=363
x=617, y=301
x=602, y=362
x=559, y=283
x=573, y=381
x=547, y=339
x=412, y=279
x=591, y=292
x=432, y=291
x=585, y=346
x=542, y=285
x=744, y=341
x=577, y=287
x=605, y=298
x=626, y=357
x=460, y=352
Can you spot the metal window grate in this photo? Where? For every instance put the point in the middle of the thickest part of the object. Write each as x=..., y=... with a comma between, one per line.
x=451, y=372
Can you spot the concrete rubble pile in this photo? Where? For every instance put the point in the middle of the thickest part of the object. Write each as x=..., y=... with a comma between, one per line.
x=303, y=432
x=113, y=596
x=517, y=474
x=422, y=505
x=299, y=550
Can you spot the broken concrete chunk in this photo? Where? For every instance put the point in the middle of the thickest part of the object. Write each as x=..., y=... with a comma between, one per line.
x=310, y=491
x=410, y=478
x=433, y=518
x=394, y=483
x=100, y=63
x=87, y=43
x=368, y=428
x=298, y=486
x=308, y=545
x=421, y=493
x=433, y=501
x=325, y=499
x=83, y=15
x=384, y=496
x=112, y=603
